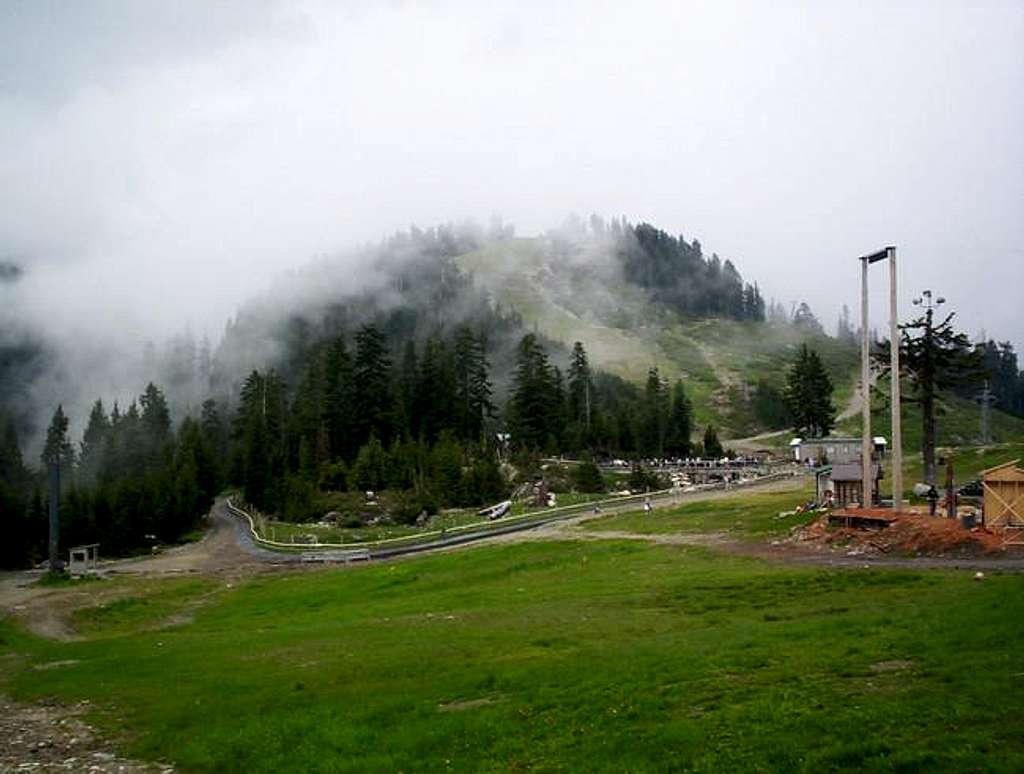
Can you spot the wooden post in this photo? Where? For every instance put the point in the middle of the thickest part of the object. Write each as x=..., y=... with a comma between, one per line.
x=865, y=390
x=950, y=491
x=894, y=357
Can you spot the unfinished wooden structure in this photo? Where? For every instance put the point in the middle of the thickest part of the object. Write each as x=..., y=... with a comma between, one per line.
x=1003, y=503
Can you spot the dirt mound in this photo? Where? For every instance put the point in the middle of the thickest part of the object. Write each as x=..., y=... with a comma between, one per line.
x=907, y=535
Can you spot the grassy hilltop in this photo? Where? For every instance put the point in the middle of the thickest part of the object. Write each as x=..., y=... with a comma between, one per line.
x=721, y=360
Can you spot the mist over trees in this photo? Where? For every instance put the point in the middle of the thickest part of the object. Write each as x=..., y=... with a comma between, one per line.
x=677, y=274
x=400, y=386
x=999, y=369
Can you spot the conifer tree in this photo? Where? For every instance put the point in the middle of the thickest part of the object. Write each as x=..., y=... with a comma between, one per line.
x=809, y=395
x=156, y=417
x=680, y=423
x=580, y=387
x=712, y=446
x=339, y=401
x=436, y=399
x=407, y=422
x=532, y=406
x=937, y=358
x=473, y=389
x=655, y=417
x=369, y=472
x=93, y=441
x=57, y=449
x=17, y=545
x=373, y=400
x=215, y=435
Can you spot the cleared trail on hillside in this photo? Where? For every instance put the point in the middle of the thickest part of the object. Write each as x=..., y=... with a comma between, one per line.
x=754, y=442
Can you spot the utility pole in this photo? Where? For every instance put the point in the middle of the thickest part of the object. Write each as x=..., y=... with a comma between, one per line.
x=867, y=469
x=865, y=391
x=985, y=398
x=894, y=355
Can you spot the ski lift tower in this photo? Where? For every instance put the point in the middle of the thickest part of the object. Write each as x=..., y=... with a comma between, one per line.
x=865, y=381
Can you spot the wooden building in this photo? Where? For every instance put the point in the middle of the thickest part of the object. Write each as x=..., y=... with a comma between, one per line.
x=845, y=482
x=1003, y=493
x=834, y=450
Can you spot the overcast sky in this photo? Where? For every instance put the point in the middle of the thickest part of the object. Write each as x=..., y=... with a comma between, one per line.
x=162, y=161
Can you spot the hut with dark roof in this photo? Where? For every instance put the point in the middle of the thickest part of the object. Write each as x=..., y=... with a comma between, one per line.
x=846, y=483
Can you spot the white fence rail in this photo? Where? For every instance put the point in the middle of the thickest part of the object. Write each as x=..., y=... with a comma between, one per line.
x=362, y=550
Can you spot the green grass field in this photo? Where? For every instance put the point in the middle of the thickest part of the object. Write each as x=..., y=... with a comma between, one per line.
x=557, y=656
x=744, y=517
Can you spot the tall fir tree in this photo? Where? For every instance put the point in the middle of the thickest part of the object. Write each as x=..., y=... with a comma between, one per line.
x=809, y=395
x=680, y=423
x=339, y=401
x=937, y=358
x=533, y=397
x=654, y=422
x=90, y=455
x=473, y=388
x=712, y=446
x=58, y=450
x=373, y=399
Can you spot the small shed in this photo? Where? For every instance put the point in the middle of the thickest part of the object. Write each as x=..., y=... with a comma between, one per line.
x=833, y=449
x=846, y=483
x=82, y=559
x=1003, y=493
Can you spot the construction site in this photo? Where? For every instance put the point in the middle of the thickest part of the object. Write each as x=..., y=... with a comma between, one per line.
x=986, y=517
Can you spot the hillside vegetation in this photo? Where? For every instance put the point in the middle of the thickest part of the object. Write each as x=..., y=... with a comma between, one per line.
x=585, y=297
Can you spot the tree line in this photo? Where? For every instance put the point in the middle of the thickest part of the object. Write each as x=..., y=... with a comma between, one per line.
x=677, y=274
x=131, y=481
x=365, y=412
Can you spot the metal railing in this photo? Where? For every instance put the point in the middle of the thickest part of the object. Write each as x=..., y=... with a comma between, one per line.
x=421, y=541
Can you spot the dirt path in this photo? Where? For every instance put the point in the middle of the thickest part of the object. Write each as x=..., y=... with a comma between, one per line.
x=52, y=737
x=801, y=555
x=755, y=442
x=725, y=377
x=46, y=610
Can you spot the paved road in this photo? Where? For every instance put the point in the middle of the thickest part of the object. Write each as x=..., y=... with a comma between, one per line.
x=221, y=514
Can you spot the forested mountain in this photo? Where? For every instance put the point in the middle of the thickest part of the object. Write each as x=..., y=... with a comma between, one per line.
x=677, y=274
x=397, y=368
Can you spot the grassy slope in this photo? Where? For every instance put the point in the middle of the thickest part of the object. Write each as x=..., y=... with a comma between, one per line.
x=626, y=335
x=559, y=656
x=957, y=426
x=748, y=516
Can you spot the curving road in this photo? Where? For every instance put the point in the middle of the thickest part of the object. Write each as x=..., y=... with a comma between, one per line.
x=224, y=519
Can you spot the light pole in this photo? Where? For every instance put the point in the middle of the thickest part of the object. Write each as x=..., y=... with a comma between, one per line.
x=865, y=376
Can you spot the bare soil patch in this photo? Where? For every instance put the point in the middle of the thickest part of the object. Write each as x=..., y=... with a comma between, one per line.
x=906, y=535
x=53, y=737
x=462, y=706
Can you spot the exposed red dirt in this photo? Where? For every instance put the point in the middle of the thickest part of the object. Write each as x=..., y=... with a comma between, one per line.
x=906, y=534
